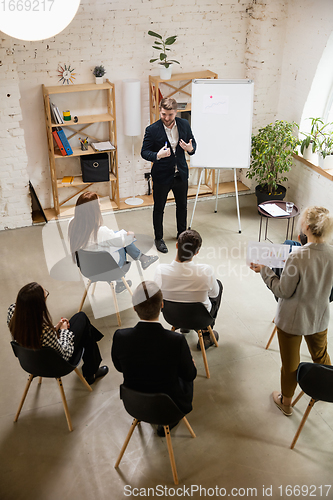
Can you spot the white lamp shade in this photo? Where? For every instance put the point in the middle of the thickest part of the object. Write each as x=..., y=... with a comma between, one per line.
x=132, y=107
x=29, y=20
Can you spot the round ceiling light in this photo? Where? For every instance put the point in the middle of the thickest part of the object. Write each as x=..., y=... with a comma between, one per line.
x=36, y=19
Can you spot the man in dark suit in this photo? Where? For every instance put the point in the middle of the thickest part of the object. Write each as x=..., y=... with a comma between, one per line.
x=164, y=144
x=151, y=358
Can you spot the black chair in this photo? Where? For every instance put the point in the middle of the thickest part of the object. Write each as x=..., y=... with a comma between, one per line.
x=47, y=362
x=317, y=382
x=191, y=316
x=101, y=266
x=155, y=409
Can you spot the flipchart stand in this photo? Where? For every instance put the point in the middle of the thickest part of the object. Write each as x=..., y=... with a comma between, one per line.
x=216, y=198
x=221, y=121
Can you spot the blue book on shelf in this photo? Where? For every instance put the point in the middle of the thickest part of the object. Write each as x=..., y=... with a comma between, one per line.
x=64, y=141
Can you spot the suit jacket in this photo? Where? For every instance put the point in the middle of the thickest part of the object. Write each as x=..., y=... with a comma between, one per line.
x=303, y=289
x=154, y=139
x=153, y=359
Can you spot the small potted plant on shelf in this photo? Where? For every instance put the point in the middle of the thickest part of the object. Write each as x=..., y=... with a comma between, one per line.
x=272, y=152
x=99, y=72
x=318, y=142
x=163, y=47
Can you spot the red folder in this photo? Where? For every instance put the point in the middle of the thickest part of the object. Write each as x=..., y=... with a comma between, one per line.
x=59, y=143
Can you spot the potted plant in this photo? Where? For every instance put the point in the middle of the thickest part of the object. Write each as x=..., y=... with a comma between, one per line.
x=319, y=141
x=163, y=47
x=99, y=72
x=271, y=158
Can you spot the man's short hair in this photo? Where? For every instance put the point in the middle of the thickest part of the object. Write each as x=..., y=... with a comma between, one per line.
x=189, y=243
x=147, y=300
x=168, y=103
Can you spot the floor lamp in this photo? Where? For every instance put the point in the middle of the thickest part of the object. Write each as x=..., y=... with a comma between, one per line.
x=132, y=124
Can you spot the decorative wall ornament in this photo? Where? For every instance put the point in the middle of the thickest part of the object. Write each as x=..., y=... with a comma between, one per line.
x=66, y=74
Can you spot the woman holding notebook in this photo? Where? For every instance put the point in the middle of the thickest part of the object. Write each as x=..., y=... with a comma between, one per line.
x=86, y=231
x=303, y=292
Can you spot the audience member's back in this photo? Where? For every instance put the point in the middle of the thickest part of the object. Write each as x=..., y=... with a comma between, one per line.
x=151, y=358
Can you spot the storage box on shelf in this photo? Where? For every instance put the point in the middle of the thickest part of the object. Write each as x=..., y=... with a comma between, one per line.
x=80, y=128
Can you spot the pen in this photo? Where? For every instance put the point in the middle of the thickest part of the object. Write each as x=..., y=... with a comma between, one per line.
x=165, y=145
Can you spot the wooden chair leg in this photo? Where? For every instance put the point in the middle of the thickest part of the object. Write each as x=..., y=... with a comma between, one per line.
x=171, y=454
x=64, y=402
x=128, y=437
x=126, y=284
x=115, y=303
x=189, y=427
x=23, y=397
x=93, y=288
x=173, y=328
x=40, y=380
x=138, y=265
x=271, y=337
x=83, y=380
x=301, y=425
x=84, y=296
x=297, y=398
x=202, y=345
x=210, y=329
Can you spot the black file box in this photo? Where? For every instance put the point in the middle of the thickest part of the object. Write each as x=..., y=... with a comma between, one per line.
x=95, y=168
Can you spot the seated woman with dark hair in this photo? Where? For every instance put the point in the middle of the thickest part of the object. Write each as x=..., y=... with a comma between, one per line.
x=86, y=231
x=31, y=326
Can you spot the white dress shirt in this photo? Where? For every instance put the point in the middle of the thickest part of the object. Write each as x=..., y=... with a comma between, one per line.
x=187, y=282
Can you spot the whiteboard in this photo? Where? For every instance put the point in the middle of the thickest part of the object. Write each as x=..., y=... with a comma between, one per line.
x=221, y=122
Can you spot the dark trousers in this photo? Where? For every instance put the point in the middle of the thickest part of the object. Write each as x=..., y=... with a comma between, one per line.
x=216, y=302
x=160, y=194
x=87, y=336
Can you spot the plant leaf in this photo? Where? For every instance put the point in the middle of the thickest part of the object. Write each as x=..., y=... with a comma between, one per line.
x=170, y=40
x=152, y=60
x=152, y=33
x=172, y=60
x=158, y=48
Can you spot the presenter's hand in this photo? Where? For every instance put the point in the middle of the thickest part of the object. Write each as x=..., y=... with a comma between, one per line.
x=186, y=146
x=163, y=152
x=256, y=267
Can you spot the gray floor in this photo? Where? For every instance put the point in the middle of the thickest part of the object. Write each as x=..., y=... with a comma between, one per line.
x=242, y=439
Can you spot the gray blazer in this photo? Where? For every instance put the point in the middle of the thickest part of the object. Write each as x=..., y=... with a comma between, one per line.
x=303, y=289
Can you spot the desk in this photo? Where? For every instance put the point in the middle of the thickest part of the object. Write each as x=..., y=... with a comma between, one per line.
x=291, y=216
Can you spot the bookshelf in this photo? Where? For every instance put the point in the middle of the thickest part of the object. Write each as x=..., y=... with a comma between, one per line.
x=179, y=84
x=75, y=130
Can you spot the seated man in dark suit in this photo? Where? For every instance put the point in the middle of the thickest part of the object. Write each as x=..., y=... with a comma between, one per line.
x=151, y=358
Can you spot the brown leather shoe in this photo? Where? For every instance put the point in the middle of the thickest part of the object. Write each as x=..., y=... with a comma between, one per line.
x=278, y=398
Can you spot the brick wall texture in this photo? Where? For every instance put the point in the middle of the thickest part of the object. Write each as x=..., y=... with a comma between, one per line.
x=277, y=43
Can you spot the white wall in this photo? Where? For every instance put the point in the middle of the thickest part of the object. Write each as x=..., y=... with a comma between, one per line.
x=277, y=43
x=306, y=187
x=15, y=203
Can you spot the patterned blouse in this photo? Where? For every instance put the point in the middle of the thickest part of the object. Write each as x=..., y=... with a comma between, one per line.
x=64, y=344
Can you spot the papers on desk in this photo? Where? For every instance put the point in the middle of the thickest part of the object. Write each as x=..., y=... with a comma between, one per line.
x=274, y=210
x=267, y=254
x=102, y=146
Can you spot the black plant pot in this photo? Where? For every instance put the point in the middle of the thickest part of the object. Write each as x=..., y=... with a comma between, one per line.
x=262, y=194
